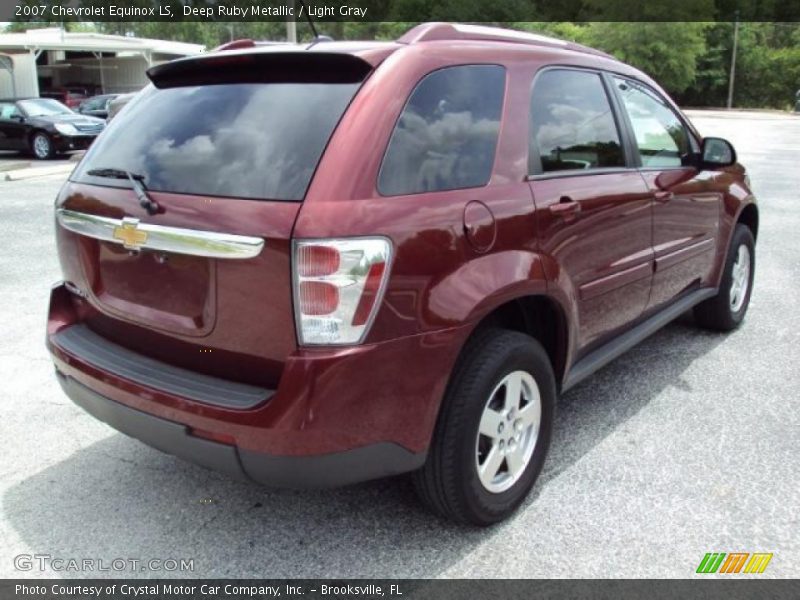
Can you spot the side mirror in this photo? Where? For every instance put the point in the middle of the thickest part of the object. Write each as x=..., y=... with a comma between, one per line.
x=718, y=152
x=18, y=117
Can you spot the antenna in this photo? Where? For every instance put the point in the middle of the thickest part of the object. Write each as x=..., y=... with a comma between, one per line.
x=310, y=21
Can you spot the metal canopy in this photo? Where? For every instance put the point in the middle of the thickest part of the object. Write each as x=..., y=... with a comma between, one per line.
x=54, y=38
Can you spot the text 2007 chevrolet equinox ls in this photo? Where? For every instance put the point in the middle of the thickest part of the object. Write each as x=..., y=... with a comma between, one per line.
x=319, y=266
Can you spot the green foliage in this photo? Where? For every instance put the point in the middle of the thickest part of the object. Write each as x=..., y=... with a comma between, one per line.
x=668, y=52
x=467, y=10
x=691, y=60
x=768, y=65
x=565, y=30
x=710, y=87
x=654, y=12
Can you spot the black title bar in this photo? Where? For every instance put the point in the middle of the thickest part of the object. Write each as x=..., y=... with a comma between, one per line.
x=397, y=10
x=734, y=588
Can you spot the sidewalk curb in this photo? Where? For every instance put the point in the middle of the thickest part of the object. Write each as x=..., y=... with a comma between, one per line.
x=13, y=166
x=30, y=173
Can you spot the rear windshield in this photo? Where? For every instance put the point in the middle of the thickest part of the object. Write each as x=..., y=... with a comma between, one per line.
x=235, y=140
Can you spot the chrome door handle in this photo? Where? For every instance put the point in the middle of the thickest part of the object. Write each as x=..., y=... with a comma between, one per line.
x=663, y=196
x=565, y=207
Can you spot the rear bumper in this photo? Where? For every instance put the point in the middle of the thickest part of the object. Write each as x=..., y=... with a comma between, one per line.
x=338, y=415
x=341, y=468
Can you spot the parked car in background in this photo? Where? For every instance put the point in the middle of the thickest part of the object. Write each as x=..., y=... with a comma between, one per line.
x=69, y=97
x=118, y=103
x=318, y=267
x=97, y=106
x=45, y=127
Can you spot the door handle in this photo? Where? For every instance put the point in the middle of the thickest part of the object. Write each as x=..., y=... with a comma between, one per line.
x=566, y=207
x=663, y=196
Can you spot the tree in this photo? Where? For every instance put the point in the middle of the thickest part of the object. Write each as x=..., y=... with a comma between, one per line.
x=564, y=30
x=668, y=52
x=710, y=87
x=768, y=65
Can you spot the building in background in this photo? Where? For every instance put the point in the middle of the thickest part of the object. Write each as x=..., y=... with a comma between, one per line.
x=48, y=60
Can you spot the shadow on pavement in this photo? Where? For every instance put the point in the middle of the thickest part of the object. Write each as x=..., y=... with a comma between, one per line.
x=118, y=498
x=601, y=404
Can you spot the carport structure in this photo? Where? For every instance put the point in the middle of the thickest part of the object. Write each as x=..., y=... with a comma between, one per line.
x=52, y=58
x=7, y=65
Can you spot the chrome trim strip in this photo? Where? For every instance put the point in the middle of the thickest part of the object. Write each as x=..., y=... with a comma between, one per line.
x=673, y=257
x=160, y=237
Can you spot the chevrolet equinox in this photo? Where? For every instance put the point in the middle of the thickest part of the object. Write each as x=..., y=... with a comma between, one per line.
x=314, y=266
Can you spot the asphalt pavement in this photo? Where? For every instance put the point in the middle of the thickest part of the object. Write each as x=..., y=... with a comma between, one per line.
x=688, y=444
x=19, y=165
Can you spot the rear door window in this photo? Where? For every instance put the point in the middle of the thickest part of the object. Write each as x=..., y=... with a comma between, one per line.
x=446, y=136
x=660, y=136
x=243, y=140
x=572, y=124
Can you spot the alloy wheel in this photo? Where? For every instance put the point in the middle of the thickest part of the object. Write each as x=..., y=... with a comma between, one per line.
x=508, y=431
x=740, y=278
x=41, y=146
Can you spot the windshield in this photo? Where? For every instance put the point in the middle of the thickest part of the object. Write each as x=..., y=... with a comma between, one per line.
x=236, y=140
x=43, y=107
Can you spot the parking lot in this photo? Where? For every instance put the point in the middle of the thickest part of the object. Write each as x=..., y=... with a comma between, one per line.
x=688, y=444
x=19, y=165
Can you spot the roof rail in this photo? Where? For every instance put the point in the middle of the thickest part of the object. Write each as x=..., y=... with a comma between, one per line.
x=247, y=43
x=429, y=32
x=235, y=45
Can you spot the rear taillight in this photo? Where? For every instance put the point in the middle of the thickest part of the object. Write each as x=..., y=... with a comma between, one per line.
x=338, y=285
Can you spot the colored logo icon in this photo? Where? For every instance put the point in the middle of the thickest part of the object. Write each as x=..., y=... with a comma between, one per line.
x=734, y=562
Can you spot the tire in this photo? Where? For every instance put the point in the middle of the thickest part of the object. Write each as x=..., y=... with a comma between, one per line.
x=42, y=146
x=449, y=483
x=726, y=310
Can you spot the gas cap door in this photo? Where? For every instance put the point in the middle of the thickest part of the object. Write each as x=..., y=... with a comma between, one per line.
x=479, y=226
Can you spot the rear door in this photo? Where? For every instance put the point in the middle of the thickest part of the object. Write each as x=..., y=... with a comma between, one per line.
x=686, y=208
x=205, y=282
x=593, y=209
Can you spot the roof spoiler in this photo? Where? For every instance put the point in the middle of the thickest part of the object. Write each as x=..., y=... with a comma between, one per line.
x=260, y=67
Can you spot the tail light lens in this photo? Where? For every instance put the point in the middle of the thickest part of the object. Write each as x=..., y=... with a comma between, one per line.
x=338, y=285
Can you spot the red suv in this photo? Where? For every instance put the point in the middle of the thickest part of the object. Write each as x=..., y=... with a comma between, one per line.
x=317, y=266
x=69, y=97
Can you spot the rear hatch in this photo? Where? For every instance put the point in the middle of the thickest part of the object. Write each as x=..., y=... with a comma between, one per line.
x=222, y=149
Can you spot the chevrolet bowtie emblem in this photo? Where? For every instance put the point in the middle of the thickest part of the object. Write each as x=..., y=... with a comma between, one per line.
x=128, y=233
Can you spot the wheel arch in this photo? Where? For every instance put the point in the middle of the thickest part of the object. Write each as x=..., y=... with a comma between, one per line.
x=737, y=211
x=749, y=217
x=539, y=315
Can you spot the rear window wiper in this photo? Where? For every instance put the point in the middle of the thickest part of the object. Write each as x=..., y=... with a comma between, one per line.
x=137, y=183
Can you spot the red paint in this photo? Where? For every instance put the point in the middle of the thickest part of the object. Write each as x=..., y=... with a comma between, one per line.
x=607, y=249
x=368, y=297
x=480, y=226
